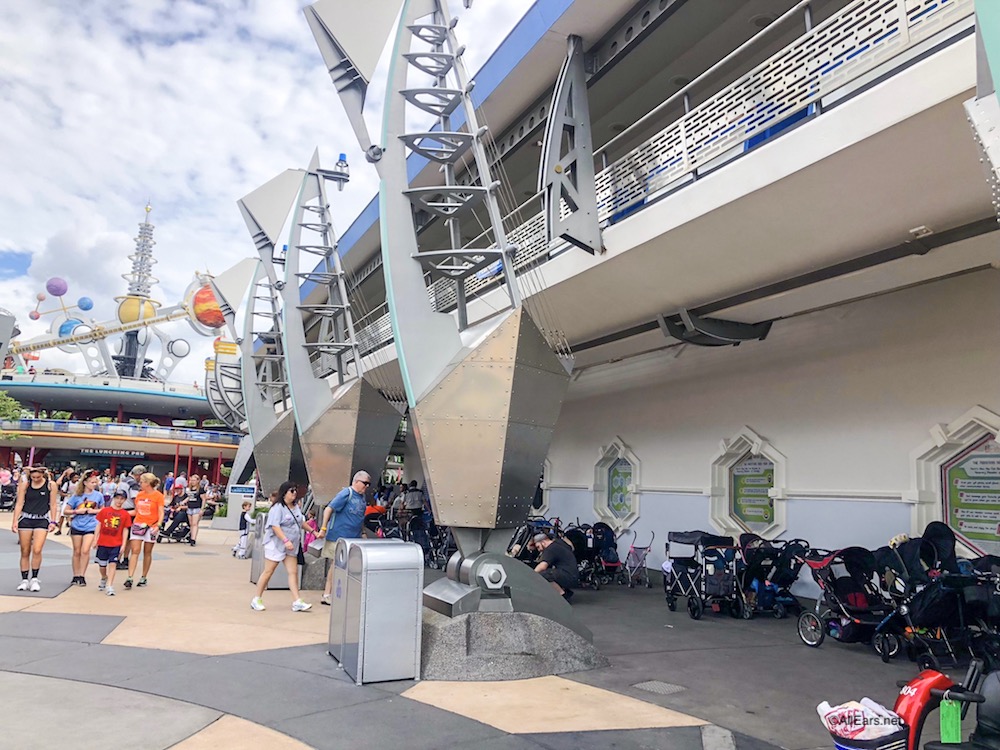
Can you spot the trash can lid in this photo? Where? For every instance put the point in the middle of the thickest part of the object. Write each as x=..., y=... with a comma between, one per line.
x=384, y=554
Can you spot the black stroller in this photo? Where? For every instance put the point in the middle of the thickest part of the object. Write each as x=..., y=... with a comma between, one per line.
x=850, y=607
x=766, y=574
x=942, y=612
x=581, y=539
x=707, y=578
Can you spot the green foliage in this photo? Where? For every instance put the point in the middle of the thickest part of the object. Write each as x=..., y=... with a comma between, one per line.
x=10, y=408
x=222, y=510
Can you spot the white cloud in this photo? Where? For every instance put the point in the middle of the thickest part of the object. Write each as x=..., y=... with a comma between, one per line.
x=188, y=103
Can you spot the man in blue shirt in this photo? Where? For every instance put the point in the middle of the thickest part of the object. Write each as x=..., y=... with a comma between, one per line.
x=349, y=507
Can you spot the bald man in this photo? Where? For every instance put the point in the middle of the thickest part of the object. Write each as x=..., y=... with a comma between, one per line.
x=349, y=505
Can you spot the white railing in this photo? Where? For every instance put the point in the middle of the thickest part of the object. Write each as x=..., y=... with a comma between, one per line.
x=842, y=49
x=133, y=431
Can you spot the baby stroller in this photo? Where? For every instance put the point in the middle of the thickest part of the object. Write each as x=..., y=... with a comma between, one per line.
x=635, y=571
x=581, y=539
x=178, y=530
x=942, y=612
x=442, y=546
x=519, y=547
x=850, y=606
x=707, y=578
x=609, y=564
x=766, y=574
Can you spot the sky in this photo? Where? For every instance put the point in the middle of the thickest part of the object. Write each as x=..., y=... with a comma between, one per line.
x=189, y=104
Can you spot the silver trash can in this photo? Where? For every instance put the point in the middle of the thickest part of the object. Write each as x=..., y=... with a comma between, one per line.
x=279, y=580
x=383, y=610
x=338, y=599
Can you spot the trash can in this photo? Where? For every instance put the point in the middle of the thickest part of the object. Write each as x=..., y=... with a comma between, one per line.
x=338, y=599
x=383, y=610
x=279, y=580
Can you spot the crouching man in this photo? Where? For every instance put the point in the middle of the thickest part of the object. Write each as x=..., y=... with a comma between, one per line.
x=557, y=564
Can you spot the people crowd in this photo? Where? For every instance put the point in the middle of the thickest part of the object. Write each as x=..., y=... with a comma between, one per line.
x=122, y=517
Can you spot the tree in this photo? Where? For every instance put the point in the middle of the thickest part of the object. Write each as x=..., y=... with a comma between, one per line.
x=10, y=408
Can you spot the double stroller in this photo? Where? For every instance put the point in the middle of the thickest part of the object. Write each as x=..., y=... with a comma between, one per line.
x=766, y=573
x=945, y=609
x=596, y=551
x=707, y=577
x=850, y=607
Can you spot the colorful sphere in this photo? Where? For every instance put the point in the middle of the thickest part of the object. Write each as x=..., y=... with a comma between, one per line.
x=179, y=348
x=40, y=296
x=67, y=326
x=56, y=286
x=205, y=308
x=85, y=303
x=34, y=315
x=132, y=309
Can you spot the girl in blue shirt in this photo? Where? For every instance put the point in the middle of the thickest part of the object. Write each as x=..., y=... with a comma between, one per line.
x=82, y=508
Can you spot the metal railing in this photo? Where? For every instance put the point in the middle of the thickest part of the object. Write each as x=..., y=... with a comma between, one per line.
x=848, y=45
x=112, y=381
x=133, y=431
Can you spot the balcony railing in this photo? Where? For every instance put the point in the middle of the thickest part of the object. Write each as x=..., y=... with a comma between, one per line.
x=790, y=84
x=129, y=431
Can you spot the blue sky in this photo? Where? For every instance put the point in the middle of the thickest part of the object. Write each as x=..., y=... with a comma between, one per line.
x=191, y=105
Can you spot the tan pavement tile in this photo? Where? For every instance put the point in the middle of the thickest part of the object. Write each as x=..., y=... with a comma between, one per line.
x=231, y=731
x=546, y=704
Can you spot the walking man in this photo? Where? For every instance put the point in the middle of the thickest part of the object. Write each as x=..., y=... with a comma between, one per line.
x=348, y=511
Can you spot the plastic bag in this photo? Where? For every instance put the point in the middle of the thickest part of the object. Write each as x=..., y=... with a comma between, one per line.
x=864, y=720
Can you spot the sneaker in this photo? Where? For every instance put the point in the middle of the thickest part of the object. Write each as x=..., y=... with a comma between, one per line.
x=103, y=584
x=111, y=591
x=192, y=542
x=123, y=565
x=23, y=585
x=568, y=595
x=300, y=606
x=325, y=599
x=142, y=581
x=35, y=585
x=257, y=604
x=82, y=581
x=128, y=583
x=58, y=533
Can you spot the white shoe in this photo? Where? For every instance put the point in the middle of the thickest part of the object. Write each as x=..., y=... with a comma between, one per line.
x=23, y=585
x=111, y=591
x=35, y=585
x=257, y=604
x=325, y=599
x=300, y=606
x=103, y=584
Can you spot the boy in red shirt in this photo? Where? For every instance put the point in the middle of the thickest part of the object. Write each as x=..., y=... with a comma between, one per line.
x=111, y=524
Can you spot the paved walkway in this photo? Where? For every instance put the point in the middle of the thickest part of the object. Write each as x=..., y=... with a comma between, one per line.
x=185, y=663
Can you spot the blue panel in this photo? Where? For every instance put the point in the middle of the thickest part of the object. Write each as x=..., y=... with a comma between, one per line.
x=777, y=128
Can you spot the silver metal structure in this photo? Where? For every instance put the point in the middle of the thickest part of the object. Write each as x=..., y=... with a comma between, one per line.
x=566, y=169
x=345, y=423
x=484, y=395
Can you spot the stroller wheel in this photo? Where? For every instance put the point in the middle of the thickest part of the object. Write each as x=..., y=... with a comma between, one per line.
x=779, y=611
x=696, y=608
x=886, y=645
x=736, y=608
x=811, y=629
x=925, y=661
x=672, y=605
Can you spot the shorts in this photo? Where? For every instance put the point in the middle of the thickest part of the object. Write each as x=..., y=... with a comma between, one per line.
x=23, y=524
x=194, y=511
x=147, y=534
x=274, y=552
x=107, y=555
x=329, y=549
x=561, y=577
x=80, y=532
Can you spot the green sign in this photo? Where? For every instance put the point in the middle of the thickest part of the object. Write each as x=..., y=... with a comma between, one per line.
x=750, y=480
x=619, y=494
x=972, y=494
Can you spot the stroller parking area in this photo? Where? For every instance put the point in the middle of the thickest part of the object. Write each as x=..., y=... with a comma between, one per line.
x=189, y=646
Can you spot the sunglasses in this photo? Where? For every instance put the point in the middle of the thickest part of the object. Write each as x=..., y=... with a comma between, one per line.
x=366, y=484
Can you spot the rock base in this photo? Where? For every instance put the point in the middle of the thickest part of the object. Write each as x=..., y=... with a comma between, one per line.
x=487, y=646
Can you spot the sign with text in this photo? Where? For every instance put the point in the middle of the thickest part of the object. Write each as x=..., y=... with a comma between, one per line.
x=971, y=492
x=750, y=482
x=111, y=453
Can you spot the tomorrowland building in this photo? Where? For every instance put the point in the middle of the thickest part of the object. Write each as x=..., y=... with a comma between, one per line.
x=698, y=264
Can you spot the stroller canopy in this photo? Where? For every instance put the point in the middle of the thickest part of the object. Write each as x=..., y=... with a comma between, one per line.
x=699, y=539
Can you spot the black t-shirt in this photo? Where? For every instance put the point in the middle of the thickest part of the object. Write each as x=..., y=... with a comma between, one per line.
x=194, y=497
x=36, y=500
x=559, y=556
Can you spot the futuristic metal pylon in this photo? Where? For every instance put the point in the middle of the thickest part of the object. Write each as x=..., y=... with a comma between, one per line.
x=484, y=396
x=343, y=423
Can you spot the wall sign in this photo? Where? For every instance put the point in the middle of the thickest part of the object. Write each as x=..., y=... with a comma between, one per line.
x=971, y=493
x=751, y=480
x=111, y=453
